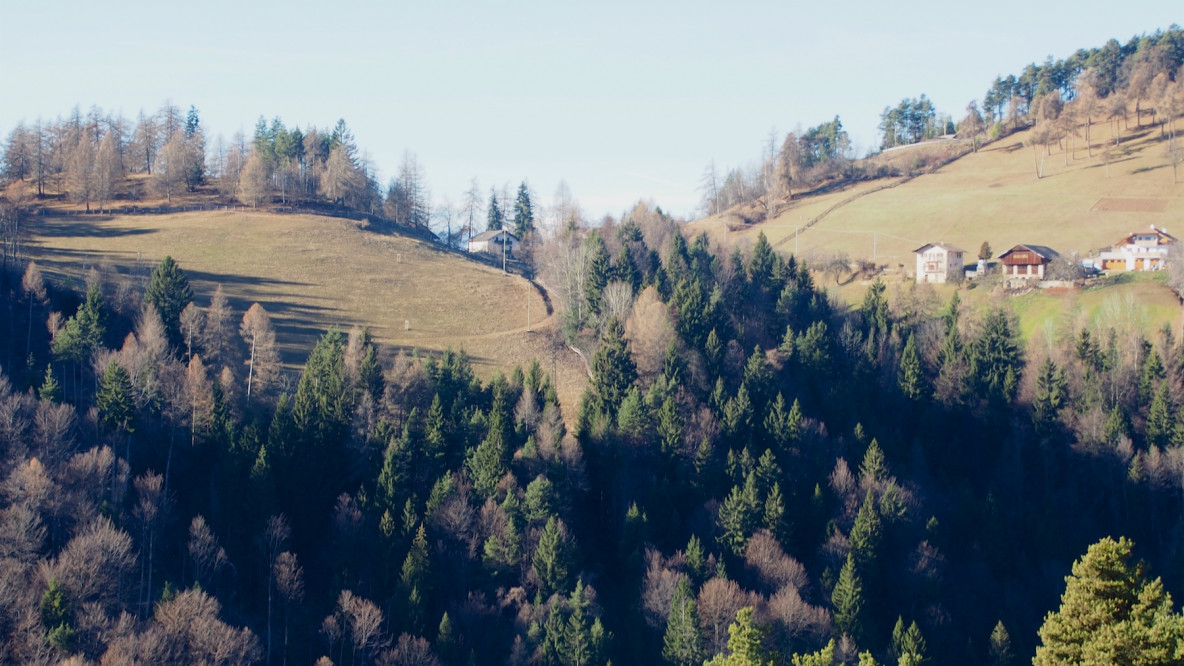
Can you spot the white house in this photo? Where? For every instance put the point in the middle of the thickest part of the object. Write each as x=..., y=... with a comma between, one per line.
x=1145, y=250
x=938, y=262
x=495, y=241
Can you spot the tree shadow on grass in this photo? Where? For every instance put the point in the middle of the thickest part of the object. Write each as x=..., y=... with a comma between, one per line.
x=85, y=227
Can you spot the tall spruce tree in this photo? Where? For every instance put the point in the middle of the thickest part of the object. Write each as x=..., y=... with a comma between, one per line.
x=909, y=377
x=523, y=212
x=683, y=642
x=169, y=292
x=613, y=370
x=493, y=216
x=848, y=602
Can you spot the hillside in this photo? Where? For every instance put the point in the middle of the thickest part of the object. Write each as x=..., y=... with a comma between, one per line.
x=992, y=195
x=312, y=272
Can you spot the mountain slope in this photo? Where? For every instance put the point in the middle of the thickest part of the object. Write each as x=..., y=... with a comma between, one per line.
x=311, y=272
x=995, y=196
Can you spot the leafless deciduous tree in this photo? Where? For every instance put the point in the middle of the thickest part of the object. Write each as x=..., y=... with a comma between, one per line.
x=169, y=175
x=719, y=600
x=661, y=579
x=410, y=651
x=94, y=564
x=186, y=630
x=362, y=621
x=208, y=556
x=649, y=332
x=80, y=170
x=774, y=568
x=108, y=170
x=216, y=332
x=263, y=362
x=289, y=582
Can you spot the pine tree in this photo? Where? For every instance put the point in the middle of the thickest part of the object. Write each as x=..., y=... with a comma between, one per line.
x=114, y=398
x=552, y=559
x=1160, y=422
x=908, y=645
x=696, y=560
x=867, y=533
x=683, y=642
x=1111, y=614
x=1000, y=646
x=493, y=216
x=745, y=643
x=523, y=212
x=414, y=578
x=873, y=467
x=875, y=308
x=1050, y=395
x=847, y=599
x=613, y=369
x=909, y=376
x=599, y=271
x=996, y=358
x=169, y=292
x=51, y=389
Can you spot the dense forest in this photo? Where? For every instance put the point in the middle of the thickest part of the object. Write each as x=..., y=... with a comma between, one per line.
x=896, y=482
x=755, y=474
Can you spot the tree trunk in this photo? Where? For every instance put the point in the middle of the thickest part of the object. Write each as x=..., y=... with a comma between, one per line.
x=251, y=367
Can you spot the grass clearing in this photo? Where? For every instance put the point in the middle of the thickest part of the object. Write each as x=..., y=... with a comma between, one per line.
x=312, y=272
x=992, y=196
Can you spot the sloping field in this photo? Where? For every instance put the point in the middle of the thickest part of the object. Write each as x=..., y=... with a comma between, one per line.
x=312, y=272
x=995, y=196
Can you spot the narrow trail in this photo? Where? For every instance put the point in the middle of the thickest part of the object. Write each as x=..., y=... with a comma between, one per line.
x=818, y=218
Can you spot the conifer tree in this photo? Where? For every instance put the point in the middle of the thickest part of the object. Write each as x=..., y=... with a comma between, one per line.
x=1000, y=646
x=51, y=389
x=1160, y=422
x=745, y=643
x=1110, y=613
x=909, y=377
x=114, y=398
x=847, y=599
x=523, y=212
x=867, y=533
x=414, y=578
x=169, y=292
x=873, y=466
x=552, y=559
x=493, y=216
x=875, y=308
x=599, y=271
x=613, y=369
x=1050, y=395
x=683, y=642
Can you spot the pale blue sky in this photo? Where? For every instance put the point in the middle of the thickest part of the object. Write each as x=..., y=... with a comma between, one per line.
x=624, y=100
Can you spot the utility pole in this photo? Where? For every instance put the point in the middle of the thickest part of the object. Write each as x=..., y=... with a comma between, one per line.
x=504, y=234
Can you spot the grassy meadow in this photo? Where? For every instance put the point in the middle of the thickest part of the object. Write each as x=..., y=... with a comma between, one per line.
x=312, y=272
x=1079, y=205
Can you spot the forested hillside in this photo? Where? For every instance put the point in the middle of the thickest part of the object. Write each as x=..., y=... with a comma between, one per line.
x=744, y=443
x=755, y=474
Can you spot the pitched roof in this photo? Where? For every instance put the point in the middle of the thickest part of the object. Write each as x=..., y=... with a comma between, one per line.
x=1042, y=251
x=491, y=234
x=1164, y=236
x=945, y=246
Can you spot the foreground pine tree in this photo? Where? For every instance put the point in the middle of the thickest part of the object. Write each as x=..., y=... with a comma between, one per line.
x=1111, y=614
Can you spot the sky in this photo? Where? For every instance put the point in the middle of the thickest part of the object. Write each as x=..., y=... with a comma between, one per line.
x=622, y=100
